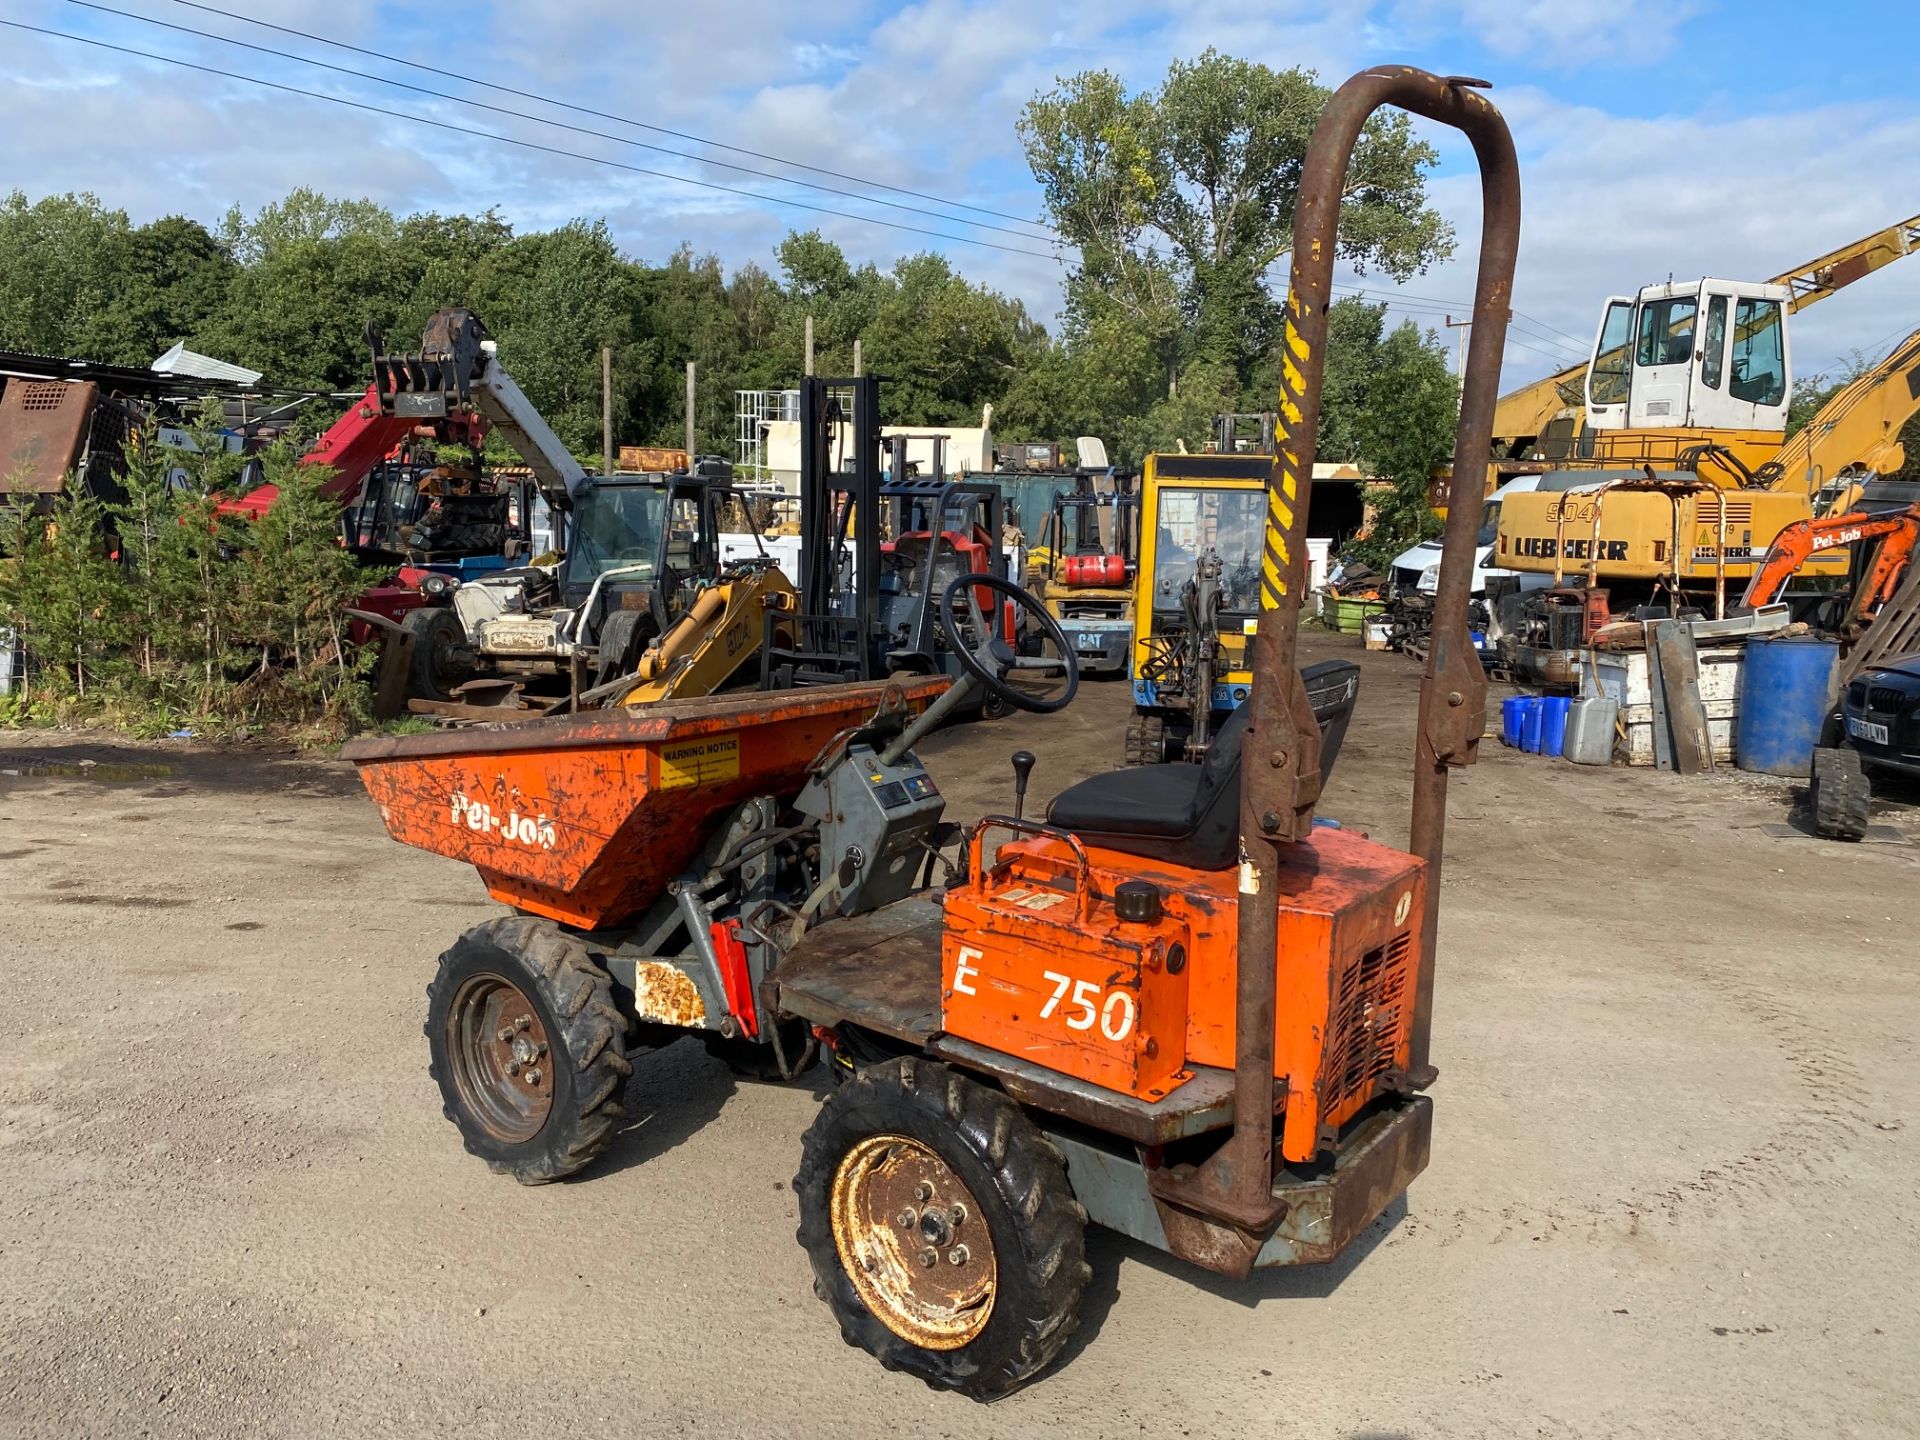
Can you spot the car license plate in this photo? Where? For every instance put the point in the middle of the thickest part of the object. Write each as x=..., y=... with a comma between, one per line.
x=1866, y=730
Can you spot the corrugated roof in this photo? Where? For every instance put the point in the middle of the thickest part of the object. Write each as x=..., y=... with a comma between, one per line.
x=182, y=361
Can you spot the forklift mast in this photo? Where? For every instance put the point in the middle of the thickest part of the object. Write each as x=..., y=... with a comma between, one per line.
x=1251, y=434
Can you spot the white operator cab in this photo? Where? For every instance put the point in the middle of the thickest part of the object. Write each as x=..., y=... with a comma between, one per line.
x=1708, y=354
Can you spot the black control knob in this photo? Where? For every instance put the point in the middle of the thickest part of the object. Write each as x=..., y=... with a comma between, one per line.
x=1023, y=763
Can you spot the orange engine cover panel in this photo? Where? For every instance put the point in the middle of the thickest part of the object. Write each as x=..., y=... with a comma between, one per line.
x=1034, y=969
x=1036, y=963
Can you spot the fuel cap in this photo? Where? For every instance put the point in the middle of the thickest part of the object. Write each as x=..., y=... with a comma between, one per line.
x=1137, y=902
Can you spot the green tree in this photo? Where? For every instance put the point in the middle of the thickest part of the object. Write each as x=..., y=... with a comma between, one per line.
x=449, y=255
x=687, y=314
x=1181, y=201
x=1389, y=406
x=64, y=285
x=294, y=586
x=552, y=301
x=177, y=276
x=948, y=347
x=62, y=594
x=313, y=274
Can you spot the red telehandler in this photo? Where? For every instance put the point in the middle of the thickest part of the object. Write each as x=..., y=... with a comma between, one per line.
x=401, y=507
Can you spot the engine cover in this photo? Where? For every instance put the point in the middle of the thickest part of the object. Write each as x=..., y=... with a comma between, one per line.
x=1037, y=962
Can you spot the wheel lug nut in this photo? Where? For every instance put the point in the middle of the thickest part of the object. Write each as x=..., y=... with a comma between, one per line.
x=957, y=1214
x=504, y=1034
x=513, y=1067
x=959, y=1255
x=905, y=1219
x=525, y=1022
x=533, y=1076
x=539, y=1047
x=929, y=1257
x=923, y=1192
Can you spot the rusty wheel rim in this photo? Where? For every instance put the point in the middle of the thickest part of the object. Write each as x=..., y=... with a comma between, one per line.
x=911, y=1237
x=502, y=1063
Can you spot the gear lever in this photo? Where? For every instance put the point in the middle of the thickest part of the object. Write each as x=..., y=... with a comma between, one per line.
x=1023, y=762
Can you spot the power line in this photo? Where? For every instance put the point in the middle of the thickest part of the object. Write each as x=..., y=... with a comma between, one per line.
x=606, y=115
x=538, y=119
x=1578, y=344
x=1391, y=300
x=1399, y=299
x=522, y=144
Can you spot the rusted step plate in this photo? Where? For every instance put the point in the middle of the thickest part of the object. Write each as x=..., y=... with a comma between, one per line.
x=880, y=971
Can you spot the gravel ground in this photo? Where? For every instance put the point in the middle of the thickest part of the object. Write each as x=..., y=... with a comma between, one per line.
x=1671, y=1190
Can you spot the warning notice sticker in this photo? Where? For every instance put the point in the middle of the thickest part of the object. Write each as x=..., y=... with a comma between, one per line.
x=700, y=762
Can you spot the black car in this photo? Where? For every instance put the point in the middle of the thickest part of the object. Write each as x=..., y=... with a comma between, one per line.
x=1880, y=714
x=1880, y=723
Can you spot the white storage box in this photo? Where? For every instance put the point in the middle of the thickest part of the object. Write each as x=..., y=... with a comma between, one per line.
x=1623, y=675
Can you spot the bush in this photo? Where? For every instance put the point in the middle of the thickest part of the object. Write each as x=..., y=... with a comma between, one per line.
x=165, y=610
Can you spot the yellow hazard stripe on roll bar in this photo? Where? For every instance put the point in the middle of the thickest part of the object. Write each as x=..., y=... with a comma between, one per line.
x=1275, y=558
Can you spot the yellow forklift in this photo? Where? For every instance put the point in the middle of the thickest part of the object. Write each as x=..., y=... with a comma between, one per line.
x=1084, y=568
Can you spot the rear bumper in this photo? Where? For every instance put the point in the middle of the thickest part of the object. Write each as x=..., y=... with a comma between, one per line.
x=1371, y=1168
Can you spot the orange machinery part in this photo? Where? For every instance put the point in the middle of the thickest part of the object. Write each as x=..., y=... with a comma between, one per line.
x=1897, y=530
x=584, y=819
x=1036, y=963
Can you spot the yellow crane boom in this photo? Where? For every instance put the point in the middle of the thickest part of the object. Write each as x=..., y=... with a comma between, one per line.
x=1855, y=432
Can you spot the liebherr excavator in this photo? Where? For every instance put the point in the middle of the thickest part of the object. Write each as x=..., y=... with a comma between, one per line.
x=1542, y=425
x=1679, y=477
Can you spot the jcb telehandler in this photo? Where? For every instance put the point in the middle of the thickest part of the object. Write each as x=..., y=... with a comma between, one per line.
x=1175, y=1007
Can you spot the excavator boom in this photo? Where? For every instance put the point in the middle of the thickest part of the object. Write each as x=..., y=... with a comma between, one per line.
x=1897, y=531
x=1857, y=429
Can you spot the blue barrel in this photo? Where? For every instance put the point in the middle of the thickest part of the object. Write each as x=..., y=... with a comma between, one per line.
x=1785, y=693
x=1510, y=712
x=1532, y=713
x=1553, y=724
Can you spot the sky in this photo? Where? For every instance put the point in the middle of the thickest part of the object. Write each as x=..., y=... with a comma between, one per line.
x=1657, y=138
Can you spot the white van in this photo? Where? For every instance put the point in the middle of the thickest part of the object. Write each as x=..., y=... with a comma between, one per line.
x=1418, y=569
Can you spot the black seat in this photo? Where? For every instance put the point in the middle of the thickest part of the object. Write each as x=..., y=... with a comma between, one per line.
x=1189, y=814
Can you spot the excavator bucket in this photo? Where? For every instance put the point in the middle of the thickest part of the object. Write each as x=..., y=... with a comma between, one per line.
x=585, y=819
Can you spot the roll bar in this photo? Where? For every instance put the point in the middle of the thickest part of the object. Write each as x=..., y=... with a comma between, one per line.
x=1280, y=771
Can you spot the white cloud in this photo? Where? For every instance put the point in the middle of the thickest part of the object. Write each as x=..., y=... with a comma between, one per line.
x=1568, y=33
x=1611, y=204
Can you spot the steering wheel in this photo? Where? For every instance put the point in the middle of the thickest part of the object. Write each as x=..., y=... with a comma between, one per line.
x=989, y=658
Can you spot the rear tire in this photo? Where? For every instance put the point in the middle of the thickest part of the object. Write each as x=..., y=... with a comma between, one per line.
x=990, y=1204
x=1839, y=795
x=621, y=641
x=528, y=1048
